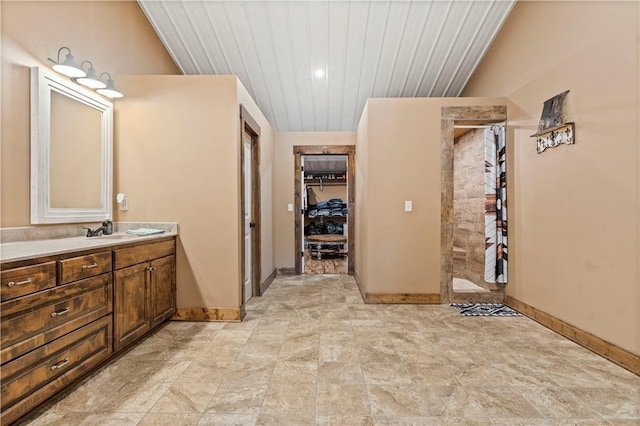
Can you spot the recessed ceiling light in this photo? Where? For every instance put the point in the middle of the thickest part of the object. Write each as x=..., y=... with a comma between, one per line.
x=318, y=73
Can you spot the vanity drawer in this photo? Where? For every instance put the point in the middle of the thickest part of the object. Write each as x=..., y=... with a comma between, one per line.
x=29, y=279
x=76, y=268
x=142, y=253
x=32, y=378
x=30, y=321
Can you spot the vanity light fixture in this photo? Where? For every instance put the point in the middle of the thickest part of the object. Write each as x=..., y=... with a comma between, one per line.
x=109, y=90
x=68, y=67
x=91, y=79
x=88, y=78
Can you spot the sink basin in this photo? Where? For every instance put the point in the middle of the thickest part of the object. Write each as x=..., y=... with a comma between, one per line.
x=114, y=237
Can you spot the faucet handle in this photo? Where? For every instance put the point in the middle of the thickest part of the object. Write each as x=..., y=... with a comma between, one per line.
x=107, y=227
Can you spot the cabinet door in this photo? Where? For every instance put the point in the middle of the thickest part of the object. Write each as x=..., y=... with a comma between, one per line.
x=163, y=289
x=131, y=308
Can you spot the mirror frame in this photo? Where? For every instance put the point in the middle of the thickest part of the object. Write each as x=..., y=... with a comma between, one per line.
x=42, y=84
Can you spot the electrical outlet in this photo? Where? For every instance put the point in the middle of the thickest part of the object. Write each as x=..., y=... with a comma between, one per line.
x=289, y=207
x=408, y=206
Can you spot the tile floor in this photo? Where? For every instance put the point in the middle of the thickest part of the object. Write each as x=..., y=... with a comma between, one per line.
x=463, y=285
x=310, y=352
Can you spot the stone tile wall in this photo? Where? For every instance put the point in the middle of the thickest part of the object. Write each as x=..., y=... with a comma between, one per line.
x=468, y=206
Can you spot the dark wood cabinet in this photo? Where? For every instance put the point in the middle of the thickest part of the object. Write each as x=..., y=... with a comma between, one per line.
x=145, y=292
x=163, y=289
x=54, y=334
x=36, y=319
x=17, y=282
x=31, y=379
x=131, y=292
x=62, y=316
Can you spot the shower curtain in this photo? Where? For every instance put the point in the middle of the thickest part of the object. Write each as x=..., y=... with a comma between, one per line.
x=495, y=219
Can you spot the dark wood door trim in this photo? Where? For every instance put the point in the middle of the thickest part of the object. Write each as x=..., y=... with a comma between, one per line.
x=250, y=126
x=350, y=152
x=449, y=117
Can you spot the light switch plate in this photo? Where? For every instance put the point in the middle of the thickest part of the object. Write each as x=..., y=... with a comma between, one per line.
x=408, y=206
x=289, y=207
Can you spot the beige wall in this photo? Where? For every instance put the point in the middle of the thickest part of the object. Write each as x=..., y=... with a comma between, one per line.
x=283, y=185
x=361, y=243
x=34, y=31
x=573, y=210
x=403, y=163
x=328, y=192
x=177, y=159
x=174, y=164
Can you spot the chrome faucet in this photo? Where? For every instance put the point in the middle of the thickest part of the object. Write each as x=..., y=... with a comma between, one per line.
x=105, y=229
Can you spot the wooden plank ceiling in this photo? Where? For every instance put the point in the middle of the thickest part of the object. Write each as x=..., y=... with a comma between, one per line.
x=325, y=163
x=311, y=65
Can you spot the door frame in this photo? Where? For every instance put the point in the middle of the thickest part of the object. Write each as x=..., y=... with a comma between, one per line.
x=350, y=152
x=450, y=116
x=249, y=125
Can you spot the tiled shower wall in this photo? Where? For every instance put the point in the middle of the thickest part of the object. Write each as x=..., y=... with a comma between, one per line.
x=468, y=206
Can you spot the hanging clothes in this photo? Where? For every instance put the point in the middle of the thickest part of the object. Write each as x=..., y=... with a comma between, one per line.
x=495, y=155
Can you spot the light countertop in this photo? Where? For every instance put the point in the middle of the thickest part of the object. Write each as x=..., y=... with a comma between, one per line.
x=21, y=250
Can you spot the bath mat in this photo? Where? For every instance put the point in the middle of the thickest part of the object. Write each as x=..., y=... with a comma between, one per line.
x=485, y=310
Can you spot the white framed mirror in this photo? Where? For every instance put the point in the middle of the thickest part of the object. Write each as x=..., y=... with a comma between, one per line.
x=71, y=151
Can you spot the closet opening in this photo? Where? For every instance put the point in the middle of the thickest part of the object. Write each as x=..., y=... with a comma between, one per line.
x=324, y=195
x=325, y=212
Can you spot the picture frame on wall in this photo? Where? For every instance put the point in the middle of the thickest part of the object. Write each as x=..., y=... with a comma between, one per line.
x=554, y=129
x=553, y=112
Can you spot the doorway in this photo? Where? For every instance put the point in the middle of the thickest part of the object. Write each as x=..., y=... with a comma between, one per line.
x=462, y=240
x=324, y=214
x=330, y=231
x=250, y=205
x=472, y=176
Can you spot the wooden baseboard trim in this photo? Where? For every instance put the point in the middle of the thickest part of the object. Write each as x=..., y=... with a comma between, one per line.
x=403, y=298
x=209, y=314
x=267, y=282
x=492, y=297
x=395, y=298
x=286, y=271
x=608, y=350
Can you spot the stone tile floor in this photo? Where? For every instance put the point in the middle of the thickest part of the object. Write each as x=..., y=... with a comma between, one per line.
x=310, y=352
x=463, y=285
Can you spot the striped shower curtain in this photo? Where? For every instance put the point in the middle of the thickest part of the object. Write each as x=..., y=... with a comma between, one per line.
x=495, y=219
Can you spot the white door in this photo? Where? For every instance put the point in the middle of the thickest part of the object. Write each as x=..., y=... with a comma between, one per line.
x=248, y=222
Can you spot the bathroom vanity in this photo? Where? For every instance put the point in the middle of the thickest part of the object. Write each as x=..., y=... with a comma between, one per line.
x=70, y=304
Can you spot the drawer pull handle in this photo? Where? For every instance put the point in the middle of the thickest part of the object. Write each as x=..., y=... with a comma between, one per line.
x=12, y=283
x=93, y=265
x=58, y=313
x=61, y=364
